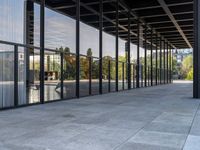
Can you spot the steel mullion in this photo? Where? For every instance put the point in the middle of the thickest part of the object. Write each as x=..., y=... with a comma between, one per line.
x=42, y=30
x=16, y=95
x=100, y=44
x=117, y=44
x=156, y=59
x=164, y=60
x=145, y=57
x=151, y=57
x=160, y=60
x=167, y=63
x=61, y=74
x=77, y=48
x=138, y=57
x=129, y=47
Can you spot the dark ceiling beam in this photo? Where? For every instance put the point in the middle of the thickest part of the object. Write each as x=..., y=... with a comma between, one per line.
x=88, y=4
x=161, y=22
x=167, y=27
x=105, y=13
x=161, y=15
x=175, y=35
x=158, y=6
x=168, y=12
x=150, y=23
x=142, y=17
x=134, y=15
x=105, y=18
x=175, y=31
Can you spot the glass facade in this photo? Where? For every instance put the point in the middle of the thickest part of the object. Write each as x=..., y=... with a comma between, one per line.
x=67, y=45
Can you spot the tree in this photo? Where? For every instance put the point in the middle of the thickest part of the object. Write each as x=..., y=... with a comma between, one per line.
x=190, y=74
x=187, y=67
x=89, y=52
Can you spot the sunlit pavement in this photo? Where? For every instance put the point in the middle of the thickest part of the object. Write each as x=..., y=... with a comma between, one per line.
x=164, y=117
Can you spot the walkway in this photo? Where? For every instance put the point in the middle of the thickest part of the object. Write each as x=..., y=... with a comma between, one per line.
x=155, y=118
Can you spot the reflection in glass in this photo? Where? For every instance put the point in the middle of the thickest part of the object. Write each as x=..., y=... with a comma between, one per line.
x=6, y=76
x=69, y=75
x=52, y=86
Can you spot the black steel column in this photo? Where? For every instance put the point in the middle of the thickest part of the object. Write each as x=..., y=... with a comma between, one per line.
x=164, y=59
x=145, y=56
x=123, y=75
x=61, y=75
x=167, y=63
x=138, y=57
x=42, y=17
x=171, y=69
x=129, y=49
x=28, y=39
x=141, y=76
x=90, y=75
x=160, y=60
x=109, y=89
x=77, y=47
x=156, y=59
x=117, y=41
x=151, y=57
x=16, y=59
x=133, y=76
x=100, y=44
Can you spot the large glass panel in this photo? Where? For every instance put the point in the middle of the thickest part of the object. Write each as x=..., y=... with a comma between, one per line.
x=141, y=55
x=125, y=75
x=12, y=20
x=95, y=76
x=6, y=76
x=154, y=65
x=60, y=34
x=149, y=65
x=133, y=53
x=120, y=75
x=122, y=83
x=60, y=31
x=52, y=86
x=84, y=75
x=28, y=75
x=69, y=75
x=33, y=76
x=22, y=76
x=89, y=46
x=105, y=73
x=109, y=54
x=112, y=75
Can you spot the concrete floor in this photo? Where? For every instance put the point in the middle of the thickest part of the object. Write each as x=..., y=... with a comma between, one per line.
x=156, y=118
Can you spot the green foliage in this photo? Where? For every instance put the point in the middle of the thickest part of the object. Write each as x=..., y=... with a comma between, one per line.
x=187, y=67
x=176, y=67
x=190, y=75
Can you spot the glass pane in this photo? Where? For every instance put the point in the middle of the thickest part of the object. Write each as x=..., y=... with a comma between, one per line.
x=52, y=86
x=95, y=76
x=6, y=76
x=105, y=74
x=22, y=76
x=112, y=76
x=120, y=75
x=34, y=76
x=69, y=75
x=84, y=76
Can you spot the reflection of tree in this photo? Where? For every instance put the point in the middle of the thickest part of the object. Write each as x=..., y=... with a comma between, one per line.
x=69, y=64
x=89, y=52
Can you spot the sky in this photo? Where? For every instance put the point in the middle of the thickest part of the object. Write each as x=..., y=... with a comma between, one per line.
x=59, y=30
